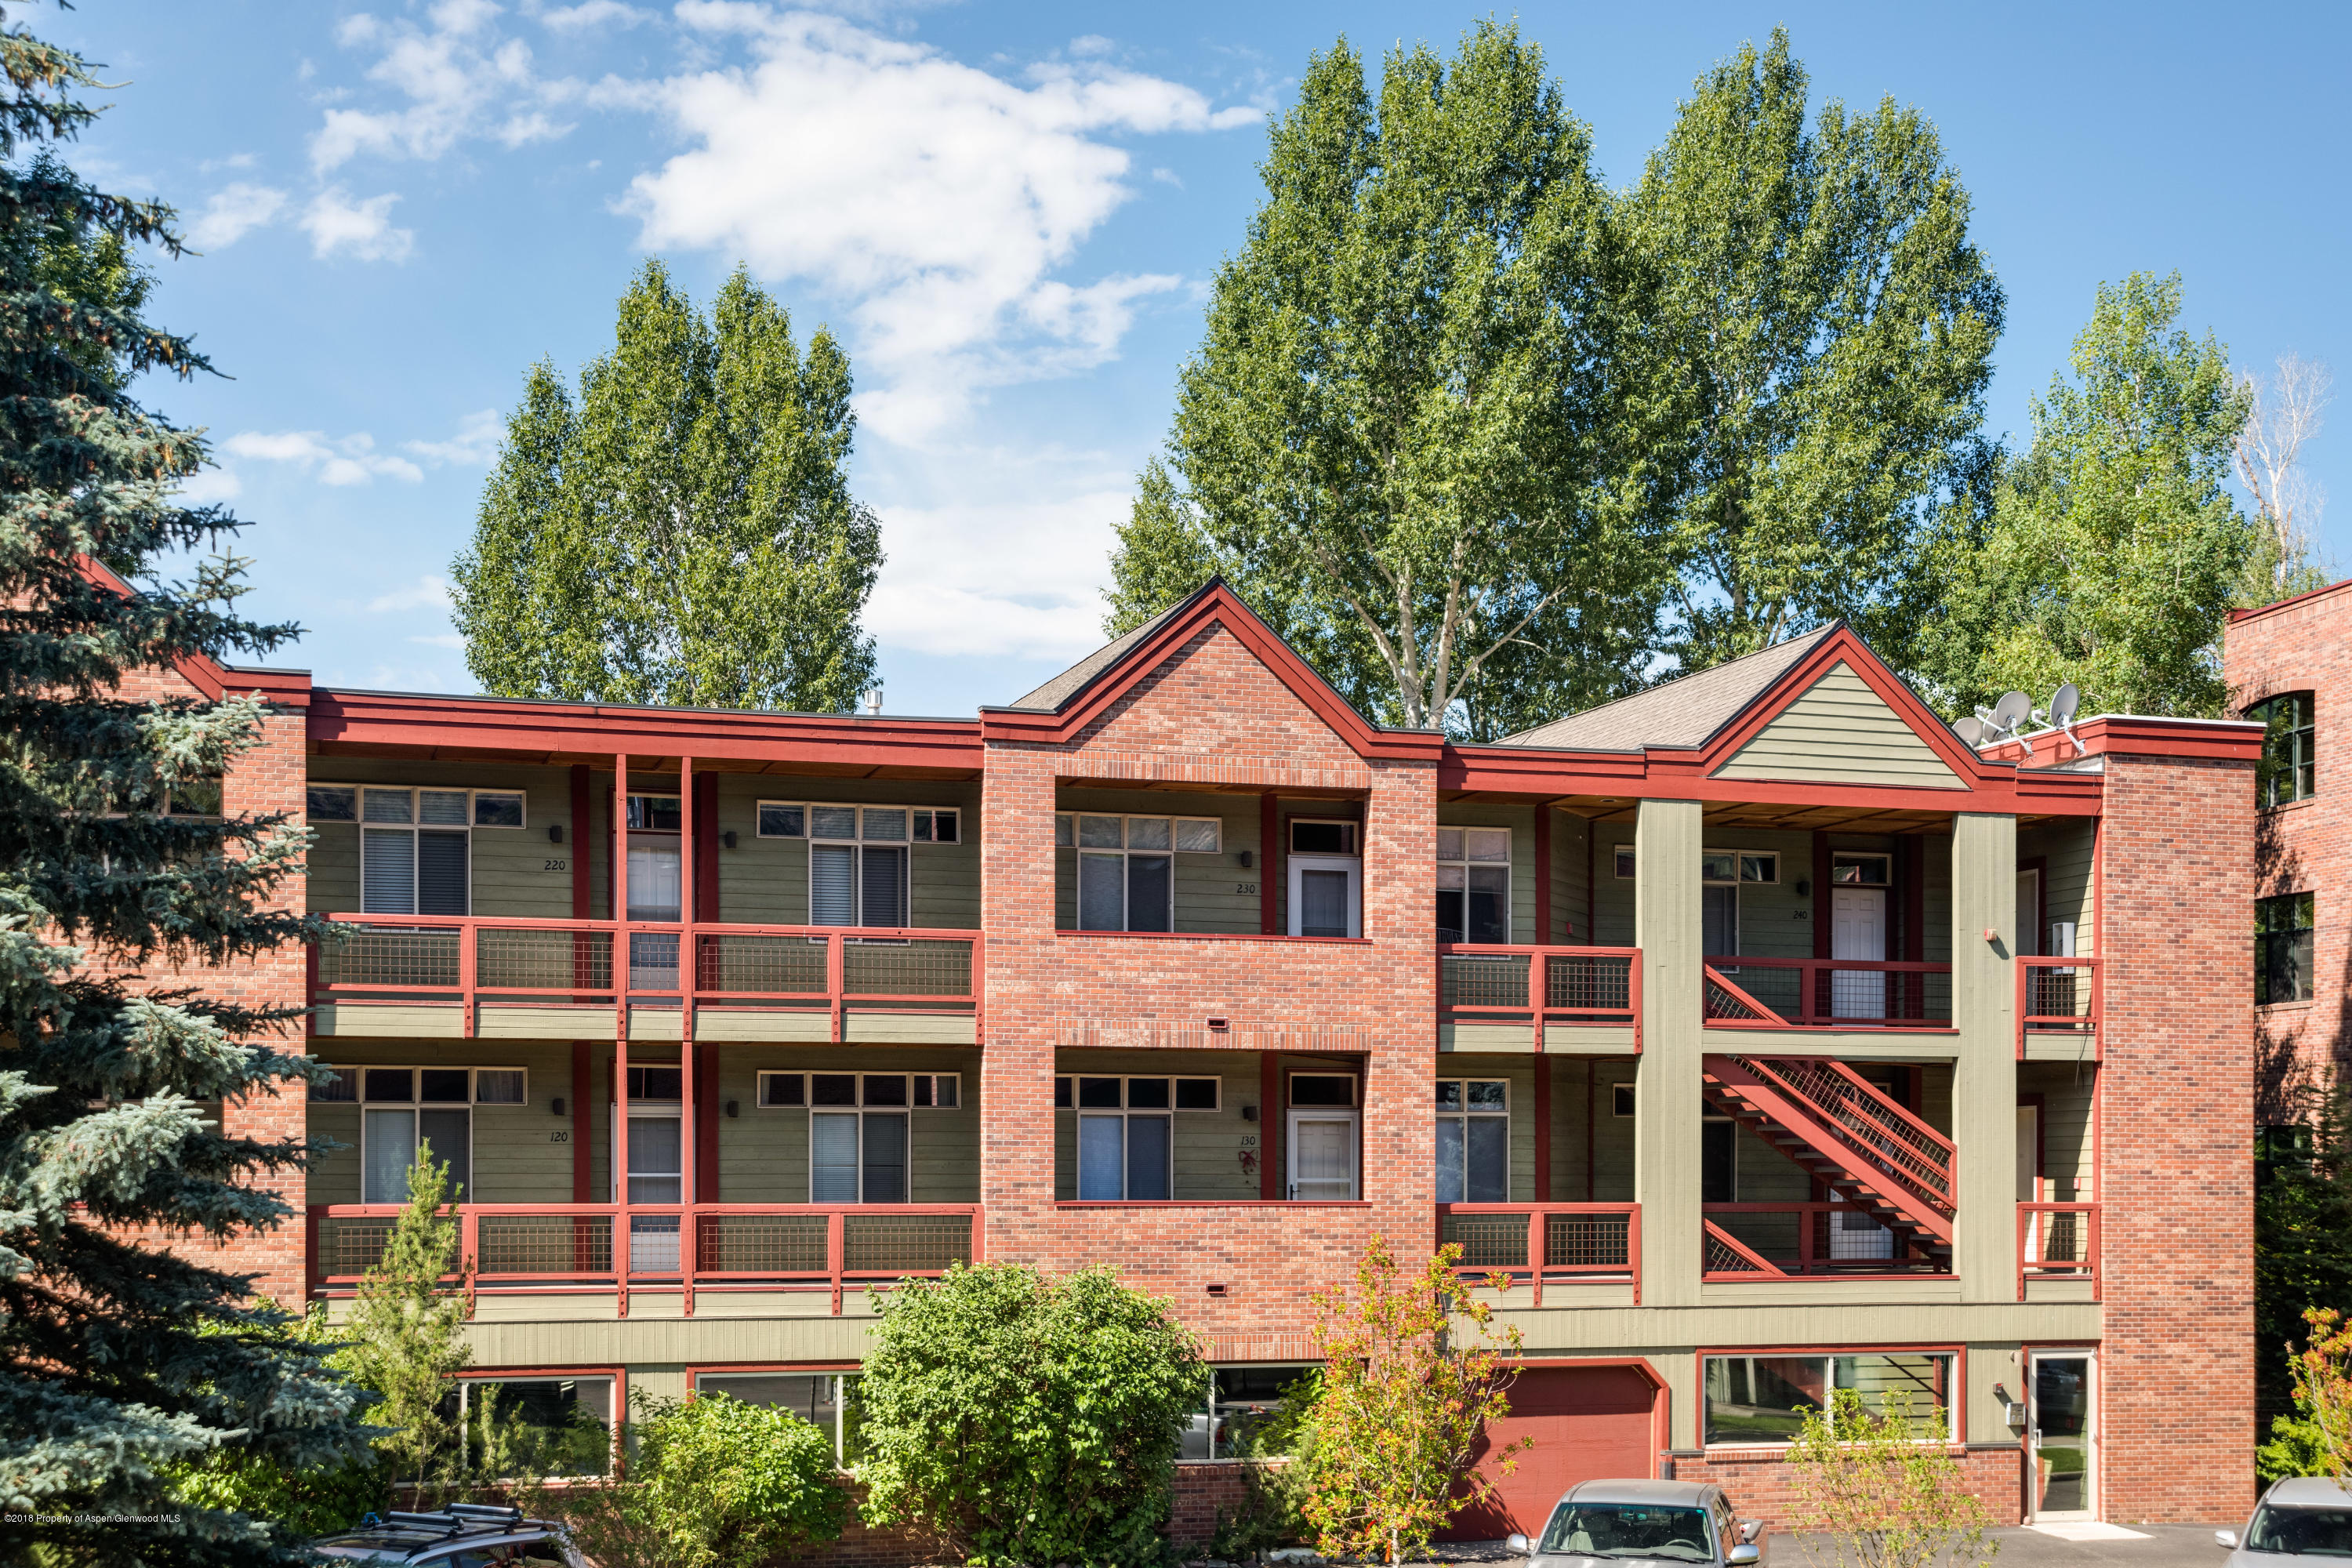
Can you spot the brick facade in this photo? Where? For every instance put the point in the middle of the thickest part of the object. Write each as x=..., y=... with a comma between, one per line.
x=2305, y=645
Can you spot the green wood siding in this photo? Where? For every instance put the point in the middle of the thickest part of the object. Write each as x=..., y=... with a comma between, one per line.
x=764, y=1150
x=765, y=881
x=2065, y=1091
x=1521, y=821
x=2065, y=846
x=510, y=874
x=1209, y=1143
x=1841, y=731
x=1208, y=895
x=1571, y=910
x=516, y=1157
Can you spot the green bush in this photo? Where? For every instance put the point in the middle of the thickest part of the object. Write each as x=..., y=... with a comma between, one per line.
x=1023, y=1419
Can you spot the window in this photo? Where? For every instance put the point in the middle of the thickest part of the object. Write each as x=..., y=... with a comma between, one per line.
x=1125, y=1140
x=1621, y=1099
x=2283, y=938
x=857, y=1137
x=1736, y=865
x=825, y=1400
x=411, y=1111
x=1316, y=836
x=858, y=865
x=1321, y=1091
x=415, y=851
x=1861, y=870
x=1127, y=866
x=193, y=797
x=551, y=1426
x=1625, y=862
x=1189, y=1093
x=331, y=802
x=655, y=886
x=928, y=825
x=922, y=1090
x=1474, y=1141
x=2288, y=772
x=1764, y=1399
x=498, y=808
x=1473, y=884
x=1241, y=1401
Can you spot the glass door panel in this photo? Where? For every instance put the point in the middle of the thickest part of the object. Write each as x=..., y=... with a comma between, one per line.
x=2065, y=1453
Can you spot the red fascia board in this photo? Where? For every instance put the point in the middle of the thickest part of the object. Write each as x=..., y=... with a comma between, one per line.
x=285, y=687
x=2139, y=735
x=1681, y=775
x=1218, y=605
x=2238, y=617
x=370, y=719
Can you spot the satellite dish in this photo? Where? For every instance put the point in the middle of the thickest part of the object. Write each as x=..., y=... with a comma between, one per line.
x=2064, y=703
x=1970, y=728
x=2014, y=709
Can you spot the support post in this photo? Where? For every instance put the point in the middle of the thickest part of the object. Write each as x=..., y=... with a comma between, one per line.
x=624, y=1227
x=1668, y=1106
x=1269, y=1115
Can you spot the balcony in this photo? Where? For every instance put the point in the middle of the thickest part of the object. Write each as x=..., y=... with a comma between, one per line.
x=595, y=1247
x=2058, y=1242
x=1747, y=1242
x=2058, y=1008
x=1571, y=1244
x=467, y=977
x=1583, y=1001
x=1744, y=993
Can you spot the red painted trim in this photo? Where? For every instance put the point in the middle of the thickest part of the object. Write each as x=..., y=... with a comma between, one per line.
x=1957, y=1404
x=2134, y=736
x=1269, y=1116
x=584, y=1170
x=705, y=1123
x=1214, y=605
x=706, y=847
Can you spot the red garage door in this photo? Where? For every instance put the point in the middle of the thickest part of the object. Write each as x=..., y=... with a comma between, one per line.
x=1587, y=1423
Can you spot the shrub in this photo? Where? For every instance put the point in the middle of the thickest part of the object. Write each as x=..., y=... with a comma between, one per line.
x=2316, y=1440
x=1027, y=1419
x=1880, y=1492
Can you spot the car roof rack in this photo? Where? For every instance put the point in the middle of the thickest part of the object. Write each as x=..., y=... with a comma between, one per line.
x=458, y=1518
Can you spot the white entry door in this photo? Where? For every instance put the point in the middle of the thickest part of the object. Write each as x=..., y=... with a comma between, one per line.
x=1858, y=931
x=1323, y=1155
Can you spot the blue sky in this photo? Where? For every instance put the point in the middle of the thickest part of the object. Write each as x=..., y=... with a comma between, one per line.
x=1009, y=213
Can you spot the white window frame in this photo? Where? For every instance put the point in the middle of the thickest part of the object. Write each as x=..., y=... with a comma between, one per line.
x=1352, y=866
x=415, y=829
x=1466, y=1112
x=473, y=806
x=1741, y=863
x=1065, y=832
x=1622, y=855
x=1070, y=1080
x=1466, y=861
x=1623, y=1105
x=954, y=1080
x=351, y=1075
x=1857, y=856
x=916, y=822
x=860, y=1113
x=1954, y=1396
x=360, y=1101
x=808, y=834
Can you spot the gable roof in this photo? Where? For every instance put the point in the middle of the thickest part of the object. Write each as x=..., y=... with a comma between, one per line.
x=1686, y=712
x=1049, y=697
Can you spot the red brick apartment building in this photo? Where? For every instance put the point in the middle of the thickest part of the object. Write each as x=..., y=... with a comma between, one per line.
x=1768, y=1038
x=2289, y=666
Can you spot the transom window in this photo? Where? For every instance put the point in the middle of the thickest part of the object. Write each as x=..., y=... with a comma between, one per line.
x=1850, y=870
x=408, y=1114
x=1473, y=884
x=1142, y=1093
x=1736, y=865
x=1765, y=1398
x=341, y=803
x=2289, y=771
x=1474, y=1141
x=1323, y=836
x=1127, y=865
x=855, y=824
x=2283, y=943
x=922, y=1090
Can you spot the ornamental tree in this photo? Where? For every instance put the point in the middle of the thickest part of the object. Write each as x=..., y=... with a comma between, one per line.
x=121, y=880
x=1414, y=1369
x=1027, y=1419
x=1880, y=1490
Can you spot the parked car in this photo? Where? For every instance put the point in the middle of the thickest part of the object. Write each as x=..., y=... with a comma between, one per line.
x=462, y=1535
x=1644, y=1521
x=2302, y=1516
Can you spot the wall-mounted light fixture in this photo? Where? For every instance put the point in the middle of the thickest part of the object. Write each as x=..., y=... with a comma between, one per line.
x=728, y=838
x=555, y=832
x=1245, y=858
x=556, y=1105
x=1804, y=888
x=734, y=1108
x=1249, y=1113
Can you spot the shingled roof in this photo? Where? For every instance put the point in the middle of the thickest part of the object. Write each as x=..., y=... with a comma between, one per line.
x=1687, y=711
x=1051, y=696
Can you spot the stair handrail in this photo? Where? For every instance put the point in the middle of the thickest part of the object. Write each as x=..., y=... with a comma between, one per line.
x=1764, y=1015
x=1936, y=1176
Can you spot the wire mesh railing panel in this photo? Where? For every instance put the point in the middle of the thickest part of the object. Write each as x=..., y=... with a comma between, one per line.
x=760, y=1244
x=1882, y=995
x=353, y=1244
x=783, y=964
x=1588, y=1241
x=1488, y=1240
x=1882, y=1132
x=914, y=966
x=1781, y=990
x=1721, y=1258
x=1778, y=1236
x=1721, y=1002
x=391, y=958
x=904, y=1242
x=543, y=1244
x=2056, y=994
x=511, y=958
x=1600, y=984
x=2059, y=1240
x=1483, y=980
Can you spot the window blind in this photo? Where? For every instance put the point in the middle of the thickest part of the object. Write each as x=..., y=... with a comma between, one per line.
x=441, y=874
x=387, y=871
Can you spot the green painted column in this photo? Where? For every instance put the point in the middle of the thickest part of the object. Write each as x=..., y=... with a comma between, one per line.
x=1668, y=1103
x=1984, y=1083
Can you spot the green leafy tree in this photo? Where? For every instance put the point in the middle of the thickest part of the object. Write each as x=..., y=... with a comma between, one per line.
x=1403, y=439
x=682, y=531
x=735, y=1485
x=407, y=1328
x=2114, y=551
x=121, y=1360
x=2303, y=1236
x=1414, y=1368
x=1879, y=1490
x=1821, y=332
x=1025, y=1419
x=2316, y=1439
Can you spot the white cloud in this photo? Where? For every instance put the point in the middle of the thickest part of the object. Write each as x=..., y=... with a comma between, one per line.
x=476, y=445
x=234, y=211
x=592, y=13
x=940, y=199
x=1019, y=577
x=458, y=79
x=348, y=460
x=441, y=639
x=209, y=486
x=429, y=591
x=338, y=225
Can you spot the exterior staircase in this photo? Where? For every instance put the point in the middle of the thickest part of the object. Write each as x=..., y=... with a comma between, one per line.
x=1866, y=1149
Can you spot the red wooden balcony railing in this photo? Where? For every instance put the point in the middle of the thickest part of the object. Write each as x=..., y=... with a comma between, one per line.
x=604, y=1246
x=1825, y=992
x=1565, y=1243
x=470, y=960
x=2057, y=995
x=1774, y=1241
x=2058, y=1241
x=1582, y=986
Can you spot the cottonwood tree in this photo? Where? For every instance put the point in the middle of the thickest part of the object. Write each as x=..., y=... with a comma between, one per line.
x=122, y=1362
x=1821, y=334
x=681, y=530
x=1404, y=437
x=2113, y=550
x=2283, y=415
